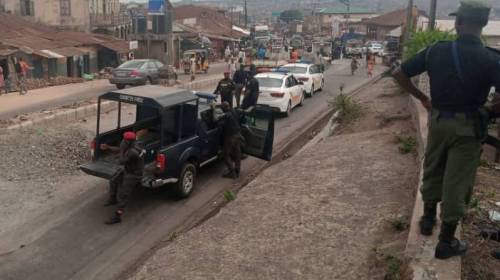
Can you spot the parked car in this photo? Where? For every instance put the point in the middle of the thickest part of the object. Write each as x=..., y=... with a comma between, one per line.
x=375, y=48
x=179, y=134
x=136, y=72
x=309, y=74
x=280, y=91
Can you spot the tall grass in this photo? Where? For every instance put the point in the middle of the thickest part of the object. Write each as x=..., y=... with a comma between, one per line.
x=422, y=39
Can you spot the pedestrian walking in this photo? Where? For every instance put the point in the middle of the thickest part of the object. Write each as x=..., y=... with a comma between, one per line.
x=227, y=54
x=2, y=81
x=461, y=74
x=231, y=147
x=370, y=66
x=192, y=67
x=123, y=183
x=22, y=69
x=225, y=89
x=232, y=67
x=354, y=65
x=239, y=79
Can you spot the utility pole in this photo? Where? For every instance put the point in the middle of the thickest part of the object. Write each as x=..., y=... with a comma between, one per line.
x=246, y=15
x=409, y=20
x=168, y=15
x=348, y=13
x=432, y=18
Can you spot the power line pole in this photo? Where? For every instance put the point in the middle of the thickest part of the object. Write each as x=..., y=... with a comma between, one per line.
x=409, y=20
x=432, y=18
x=246, y=15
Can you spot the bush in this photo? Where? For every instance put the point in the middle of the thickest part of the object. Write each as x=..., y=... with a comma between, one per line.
x=349, y=108
x=422, y=39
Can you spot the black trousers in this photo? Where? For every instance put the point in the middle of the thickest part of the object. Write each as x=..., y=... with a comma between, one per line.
x=121, y=188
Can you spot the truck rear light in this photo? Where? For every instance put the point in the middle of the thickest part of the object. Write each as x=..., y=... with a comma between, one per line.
x=134, y=73
x=277, y=94
x=161, y=161
x=304, y=79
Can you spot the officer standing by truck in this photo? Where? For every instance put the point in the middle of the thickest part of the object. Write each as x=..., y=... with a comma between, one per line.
x=225, y=88
x=123, y=183
x=231, y=147
x=251, y=92
x=461, y=75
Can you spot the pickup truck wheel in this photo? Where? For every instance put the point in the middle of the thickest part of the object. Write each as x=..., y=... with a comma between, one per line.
x=186, y=181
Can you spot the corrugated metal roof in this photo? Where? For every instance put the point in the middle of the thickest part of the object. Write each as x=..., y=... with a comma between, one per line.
x=117, y=46
x=70, y=51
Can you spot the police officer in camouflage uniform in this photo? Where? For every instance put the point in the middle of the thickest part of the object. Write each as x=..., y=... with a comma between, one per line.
x=461, y=75
x=123, y=183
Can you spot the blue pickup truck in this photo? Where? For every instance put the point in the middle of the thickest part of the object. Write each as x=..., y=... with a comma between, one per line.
x=177, y=130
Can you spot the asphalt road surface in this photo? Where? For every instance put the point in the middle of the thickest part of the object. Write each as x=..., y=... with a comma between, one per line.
x=54, y=97
x=71, y=242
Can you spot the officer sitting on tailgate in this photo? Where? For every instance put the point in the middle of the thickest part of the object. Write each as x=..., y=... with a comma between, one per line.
x=226, y=88
x=461, y=75
x=123, y=183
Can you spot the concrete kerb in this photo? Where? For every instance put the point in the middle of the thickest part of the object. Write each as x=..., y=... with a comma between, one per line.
x=90, y=110
x=419, y=248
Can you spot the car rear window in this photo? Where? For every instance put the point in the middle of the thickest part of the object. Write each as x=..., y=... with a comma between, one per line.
x=296, y=70
x=132, y=64
x=269, y=82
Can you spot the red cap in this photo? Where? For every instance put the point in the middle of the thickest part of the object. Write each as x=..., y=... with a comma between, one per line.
x=129, y=136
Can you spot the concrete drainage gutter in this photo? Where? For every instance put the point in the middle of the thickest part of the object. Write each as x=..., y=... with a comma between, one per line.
x=83, y=112
x=419, y=248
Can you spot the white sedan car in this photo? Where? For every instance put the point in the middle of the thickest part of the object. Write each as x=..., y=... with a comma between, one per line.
x=280, y=90
x=309, y=74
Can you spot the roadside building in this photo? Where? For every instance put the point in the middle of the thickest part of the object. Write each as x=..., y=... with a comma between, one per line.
x=101, y=16
x=393, y=23
x=491, y=32
x=338, y=20
x=56, y=53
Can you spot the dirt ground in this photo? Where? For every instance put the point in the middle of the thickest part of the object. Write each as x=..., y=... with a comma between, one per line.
x=478, y=264
x=336, y=210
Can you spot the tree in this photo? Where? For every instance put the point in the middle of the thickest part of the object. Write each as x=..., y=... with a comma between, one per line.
x=291, y=15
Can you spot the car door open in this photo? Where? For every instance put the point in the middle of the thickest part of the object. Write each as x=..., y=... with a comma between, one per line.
x=257, y=128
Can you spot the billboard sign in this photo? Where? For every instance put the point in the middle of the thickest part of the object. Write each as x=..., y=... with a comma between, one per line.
x=156, y=7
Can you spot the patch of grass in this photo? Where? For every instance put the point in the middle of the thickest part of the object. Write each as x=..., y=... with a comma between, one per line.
x=399, y=223
x=349, y=108
x=229, y=195
x=407, y=144
x=484, y=163
x=474, y=202
x=394, y=270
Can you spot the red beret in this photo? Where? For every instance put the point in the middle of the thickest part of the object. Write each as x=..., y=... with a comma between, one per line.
x=129, y=136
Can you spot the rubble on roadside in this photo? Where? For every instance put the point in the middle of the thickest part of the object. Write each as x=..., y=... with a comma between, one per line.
x=42, y=154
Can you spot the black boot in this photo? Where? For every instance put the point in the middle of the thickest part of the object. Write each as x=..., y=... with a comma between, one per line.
x=448, y=245
x=231, y=174
x=237, y=171
x=115, y=219
x=428, y=220
x=111, y=201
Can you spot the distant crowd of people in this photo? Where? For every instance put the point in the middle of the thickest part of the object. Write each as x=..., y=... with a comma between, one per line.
x=22, y=69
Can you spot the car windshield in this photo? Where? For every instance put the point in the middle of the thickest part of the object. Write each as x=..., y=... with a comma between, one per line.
x=296, y=69
x=134, y=64
x=269, y=82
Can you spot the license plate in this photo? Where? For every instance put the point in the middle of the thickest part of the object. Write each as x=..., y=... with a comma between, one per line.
x=121, y=74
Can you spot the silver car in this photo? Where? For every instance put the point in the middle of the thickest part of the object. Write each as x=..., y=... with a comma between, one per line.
x=136, y=72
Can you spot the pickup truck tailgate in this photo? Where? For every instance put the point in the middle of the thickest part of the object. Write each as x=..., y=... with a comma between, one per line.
x=102, y=169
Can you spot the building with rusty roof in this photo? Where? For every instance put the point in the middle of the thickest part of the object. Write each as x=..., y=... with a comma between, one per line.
x=56, y=53
x=394, y=21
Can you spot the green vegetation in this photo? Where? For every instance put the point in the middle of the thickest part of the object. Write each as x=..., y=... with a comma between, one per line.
x=399, y=223
x=229, y=195
x=394, y=270
x=407, y=144
x=348, y=108
x=422, y=39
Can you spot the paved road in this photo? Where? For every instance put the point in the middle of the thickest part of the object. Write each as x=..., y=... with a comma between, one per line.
x=52, y=97
x=71, y=242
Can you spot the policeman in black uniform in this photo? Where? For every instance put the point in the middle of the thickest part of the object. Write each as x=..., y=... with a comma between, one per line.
x=251, y=92
x=226, y=88
x=461, y=75
x=123, y=183
x=231, y=146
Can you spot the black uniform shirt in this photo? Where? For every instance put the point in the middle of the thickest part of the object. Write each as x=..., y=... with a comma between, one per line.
x=480, y=71
x=231, y=124
x=252, y=94
x=225, y=88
